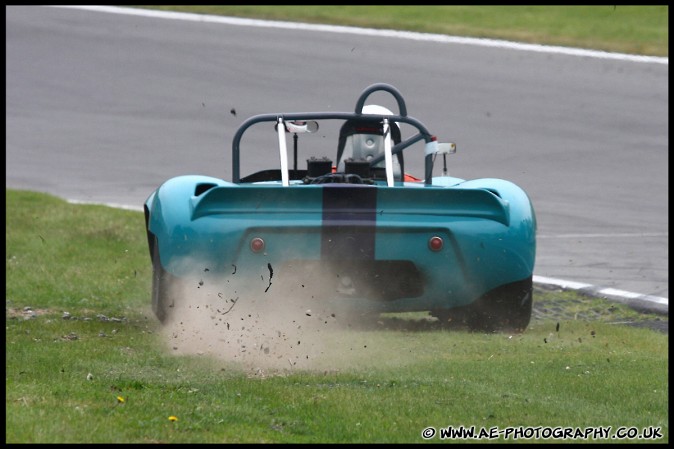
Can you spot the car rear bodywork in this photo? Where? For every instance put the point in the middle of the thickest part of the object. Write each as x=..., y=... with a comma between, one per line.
x=460, y=249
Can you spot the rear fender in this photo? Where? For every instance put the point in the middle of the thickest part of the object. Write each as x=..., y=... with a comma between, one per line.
x=169, y=208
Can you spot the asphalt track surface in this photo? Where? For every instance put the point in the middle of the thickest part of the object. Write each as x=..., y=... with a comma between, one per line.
x=104, y=107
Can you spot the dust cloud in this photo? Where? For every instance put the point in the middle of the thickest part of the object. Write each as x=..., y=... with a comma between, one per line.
x=271, y=320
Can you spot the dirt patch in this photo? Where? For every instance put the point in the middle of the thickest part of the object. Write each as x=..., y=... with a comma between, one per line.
x=25, y=312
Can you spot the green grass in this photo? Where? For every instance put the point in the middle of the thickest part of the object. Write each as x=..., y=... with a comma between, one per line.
x=626, y=29
x=103, y=372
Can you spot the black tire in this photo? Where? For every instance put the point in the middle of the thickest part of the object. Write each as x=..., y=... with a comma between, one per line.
x=163, y=283
x=504, y=309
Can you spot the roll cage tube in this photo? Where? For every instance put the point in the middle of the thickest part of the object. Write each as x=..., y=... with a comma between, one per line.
x=385, y=87
x=283, y=152
x=378, y=118
x=387, y=153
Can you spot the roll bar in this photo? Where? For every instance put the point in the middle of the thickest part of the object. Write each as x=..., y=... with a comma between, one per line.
x=385, y=87
x=423, y=133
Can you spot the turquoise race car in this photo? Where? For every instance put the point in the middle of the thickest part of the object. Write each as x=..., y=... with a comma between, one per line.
x=351, y=229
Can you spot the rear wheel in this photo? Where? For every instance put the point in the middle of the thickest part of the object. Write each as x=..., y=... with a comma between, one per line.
x=163, y=284
x=504, y=309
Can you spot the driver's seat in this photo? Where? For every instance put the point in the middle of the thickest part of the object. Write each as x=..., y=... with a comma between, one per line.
x=362, y=140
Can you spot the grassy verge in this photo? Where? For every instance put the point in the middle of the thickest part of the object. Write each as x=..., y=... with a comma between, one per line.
x=87, y=363
x=626, y=29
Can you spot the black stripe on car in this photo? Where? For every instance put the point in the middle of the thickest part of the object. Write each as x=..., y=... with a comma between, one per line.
x=349, y=222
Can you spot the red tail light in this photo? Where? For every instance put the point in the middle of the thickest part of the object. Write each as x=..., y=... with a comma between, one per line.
x=256, y=245
x=435, y=243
